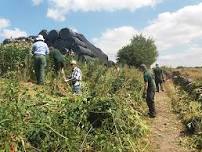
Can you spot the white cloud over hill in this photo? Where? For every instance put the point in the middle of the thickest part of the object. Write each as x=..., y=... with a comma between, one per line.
x=13, y=33
x=59, y=9
x=7, y=32
x=179, y=32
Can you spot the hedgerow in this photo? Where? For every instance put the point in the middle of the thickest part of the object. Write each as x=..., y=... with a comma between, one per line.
x=108, y=116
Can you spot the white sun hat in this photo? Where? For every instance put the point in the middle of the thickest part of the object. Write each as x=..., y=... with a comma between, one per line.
x=73, y=62
x=40, y=37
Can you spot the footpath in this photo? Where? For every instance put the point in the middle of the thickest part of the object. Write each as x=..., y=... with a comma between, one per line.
x=166, y=128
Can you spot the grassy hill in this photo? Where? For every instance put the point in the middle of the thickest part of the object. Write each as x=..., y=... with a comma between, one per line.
x=108, y=116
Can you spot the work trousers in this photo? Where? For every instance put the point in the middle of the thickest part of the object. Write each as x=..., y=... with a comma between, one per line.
x=150, y=102
x=39, y=67
x=159, y=85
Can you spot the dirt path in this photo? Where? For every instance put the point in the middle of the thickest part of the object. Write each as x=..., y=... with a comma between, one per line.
x=166, y=128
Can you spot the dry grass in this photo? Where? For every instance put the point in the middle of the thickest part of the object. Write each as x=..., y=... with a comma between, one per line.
x=193, y=73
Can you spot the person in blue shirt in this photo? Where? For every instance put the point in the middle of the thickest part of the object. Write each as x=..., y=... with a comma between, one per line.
x=40, y=50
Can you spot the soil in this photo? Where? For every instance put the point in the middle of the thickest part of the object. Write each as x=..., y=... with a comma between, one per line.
x=166, y=128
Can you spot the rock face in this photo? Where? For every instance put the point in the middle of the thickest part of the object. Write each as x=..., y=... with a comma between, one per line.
x=66, y=38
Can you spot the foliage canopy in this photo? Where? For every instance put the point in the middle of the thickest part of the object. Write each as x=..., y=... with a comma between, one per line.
x=140, y=50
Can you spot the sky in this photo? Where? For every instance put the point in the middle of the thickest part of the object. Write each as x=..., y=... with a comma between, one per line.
x=175, y=25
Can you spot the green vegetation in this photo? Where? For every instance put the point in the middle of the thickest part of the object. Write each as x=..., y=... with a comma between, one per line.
x=187, y=103
x=108, y=116
x=140, y=50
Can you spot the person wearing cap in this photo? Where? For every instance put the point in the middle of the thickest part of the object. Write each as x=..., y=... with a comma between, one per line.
x=59, y=61
x=149, y=89
x=159, y=78
x=40, y=50
x=75, y=78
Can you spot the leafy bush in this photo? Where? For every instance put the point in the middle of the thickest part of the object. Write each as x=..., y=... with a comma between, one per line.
x=140, y=50
x=13, y=56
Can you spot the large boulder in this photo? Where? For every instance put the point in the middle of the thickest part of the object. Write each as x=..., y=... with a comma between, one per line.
x=62, y=44
x=84, y=51
x=52, y=36
x=44, y=33
x=96, y=51
x=66, y=33
x=79, y=42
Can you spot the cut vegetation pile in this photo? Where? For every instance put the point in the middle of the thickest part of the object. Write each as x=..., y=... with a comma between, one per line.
x=188, y=104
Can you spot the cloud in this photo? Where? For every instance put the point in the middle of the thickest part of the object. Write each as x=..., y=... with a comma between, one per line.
x=114, y=39
x=55, y=14
x=37, y=2
x=7, y=32
x=58, y=9
x=178, y=36
x=74, y=29
x=176, y=28
x=14, y=33
x=191, y=57
x=4, y=23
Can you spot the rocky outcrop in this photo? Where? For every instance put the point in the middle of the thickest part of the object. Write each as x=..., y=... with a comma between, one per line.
x=66, y=38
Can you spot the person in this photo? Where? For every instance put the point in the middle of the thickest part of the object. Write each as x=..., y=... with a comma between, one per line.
x=159, y=78
x=75, y=78
x=40, y=50
x=149, y=89
x=59, y=61
x=117, y=68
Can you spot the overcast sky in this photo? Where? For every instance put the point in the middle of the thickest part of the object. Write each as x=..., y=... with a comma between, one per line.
x=175, y=25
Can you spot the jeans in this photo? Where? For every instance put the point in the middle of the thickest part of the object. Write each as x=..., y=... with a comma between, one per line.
x=76, y=89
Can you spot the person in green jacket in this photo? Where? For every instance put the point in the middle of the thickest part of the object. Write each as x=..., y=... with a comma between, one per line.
x=159, y=78
x=149, y=89
x=59, y=61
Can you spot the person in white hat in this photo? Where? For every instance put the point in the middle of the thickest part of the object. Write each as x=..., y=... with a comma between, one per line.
x=75, y=77
x=40, y=50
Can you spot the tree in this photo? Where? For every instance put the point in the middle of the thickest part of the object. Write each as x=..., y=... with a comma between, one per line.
x=140, y=50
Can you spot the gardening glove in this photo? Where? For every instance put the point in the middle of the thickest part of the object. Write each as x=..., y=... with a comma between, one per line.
x=66, y=80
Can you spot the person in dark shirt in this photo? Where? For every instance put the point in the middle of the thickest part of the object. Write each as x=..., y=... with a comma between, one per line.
x=159, y=78
x=149, y=89
x=59, y=61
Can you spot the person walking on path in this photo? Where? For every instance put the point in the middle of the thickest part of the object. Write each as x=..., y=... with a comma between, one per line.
x=75, y=78
x=59, y=61
x=40, y=50
x=149, y=90
x=159, y=78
